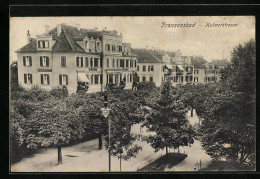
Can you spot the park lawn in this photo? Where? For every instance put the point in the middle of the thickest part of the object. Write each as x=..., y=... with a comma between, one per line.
x=167, y=161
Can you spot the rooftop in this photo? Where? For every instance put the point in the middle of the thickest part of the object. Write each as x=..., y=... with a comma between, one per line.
x=146, y=56
x=67, y=40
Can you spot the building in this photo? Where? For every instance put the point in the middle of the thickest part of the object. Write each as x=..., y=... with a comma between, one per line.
x=149, y=67
x=210, y=72
x=77, y=58
x=160, y=65
x=178, y=69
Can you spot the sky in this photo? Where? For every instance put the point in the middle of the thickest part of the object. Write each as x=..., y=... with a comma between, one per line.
x=143, y=31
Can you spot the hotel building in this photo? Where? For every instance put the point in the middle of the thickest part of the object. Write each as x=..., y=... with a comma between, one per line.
x=77, y=58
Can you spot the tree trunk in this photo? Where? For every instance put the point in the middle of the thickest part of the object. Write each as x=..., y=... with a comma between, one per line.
x=166, y=150
x=59, y=156
x=120, y=162
x=178, y=149
x=191, y=113
x=100, y=143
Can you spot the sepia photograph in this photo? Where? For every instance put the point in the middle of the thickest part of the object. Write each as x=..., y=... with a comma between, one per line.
x=132, y=94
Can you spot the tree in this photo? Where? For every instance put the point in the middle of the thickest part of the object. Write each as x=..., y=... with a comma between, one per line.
x=52, y=126
x=168, y=120
x=123, y=104
x=228, y=128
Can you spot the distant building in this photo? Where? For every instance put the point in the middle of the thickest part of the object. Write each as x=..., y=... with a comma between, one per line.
x=170, y=66
x=77, y=58
x=210, y=72
x=149, y=67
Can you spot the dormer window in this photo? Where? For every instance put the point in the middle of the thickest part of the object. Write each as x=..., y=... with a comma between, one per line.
x=43, y=44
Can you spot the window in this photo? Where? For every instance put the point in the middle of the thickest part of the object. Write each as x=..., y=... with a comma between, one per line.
x=98, y=46
x=96, y=62
x=79, y=61
x=151, y=79
x=43, y=44
x=130, y=77
x=108, y=47
x=131, y=63
x=138, y=68
x=144, y=68
x=122, y=63
x=45, y=79
x=27, y=78
x=63, y=61
x=96, y=77
x=120, y=48
x=150, y=68
x=107, y=62
x=91, y=62
x=135, y=63
x=44, y=61
x=63, y=79
x=127, y=63
x=144, y=78
x=92, y=45
x=113, y=63
x=27, y=61
x=86, y=63
x=195, y=79
x=117, y=63
x=196, y=71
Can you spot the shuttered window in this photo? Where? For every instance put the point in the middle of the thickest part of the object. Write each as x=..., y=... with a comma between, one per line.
x=27, y=78
x=45, y=79
x=44, y=61
x=27, y=61
x=79, y=61
x=63, y=79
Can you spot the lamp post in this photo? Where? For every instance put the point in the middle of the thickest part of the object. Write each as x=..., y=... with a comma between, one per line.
x=105, y=111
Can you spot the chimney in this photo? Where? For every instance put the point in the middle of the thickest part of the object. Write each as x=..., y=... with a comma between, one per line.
x=58, y=29
x=78, y=27
x=46, y=29
x=28, y=37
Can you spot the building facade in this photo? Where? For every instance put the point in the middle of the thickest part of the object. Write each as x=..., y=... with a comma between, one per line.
x=77, y=58
x=149, y=67
x=210, y=73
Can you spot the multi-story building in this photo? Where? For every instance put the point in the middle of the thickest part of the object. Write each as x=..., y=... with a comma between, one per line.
x=158, y=65
x=181, y=70
x=210, y=73
x=77, y=58
x=150, y=67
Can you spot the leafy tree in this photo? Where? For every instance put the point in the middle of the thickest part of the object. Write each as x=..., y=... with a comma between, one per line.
x=123, y=105
x=228, y=128
x=168, y=120
x=51, y=125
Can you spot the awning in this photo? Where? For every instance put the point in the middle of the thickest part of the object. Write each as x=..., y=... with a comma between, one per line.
x=169, y=66
x=180, y=67
x=82, y=77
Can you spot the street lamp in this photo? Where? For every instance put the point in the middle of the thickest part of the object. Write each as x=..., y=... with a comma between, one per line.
x=105, y=111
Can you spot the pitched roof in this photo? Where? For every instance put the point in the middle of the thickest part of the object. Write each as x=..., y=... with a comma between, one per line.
x=171, y=54
x=30, y=47
x=145, y=56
